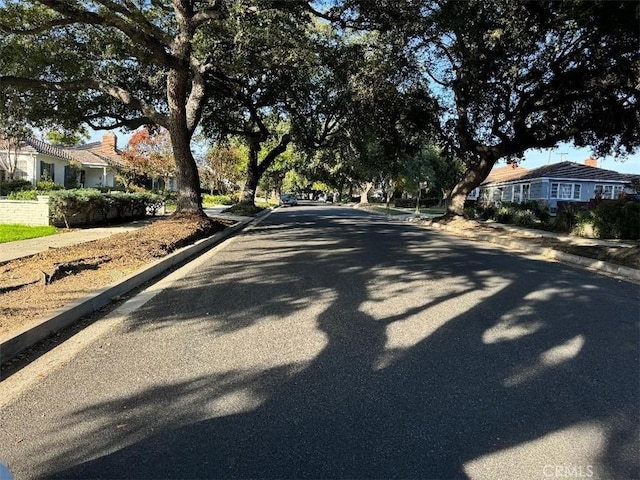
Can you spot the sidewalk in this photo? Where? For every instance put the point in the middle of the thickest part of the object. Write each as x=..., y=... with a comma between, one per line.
x=26, y=248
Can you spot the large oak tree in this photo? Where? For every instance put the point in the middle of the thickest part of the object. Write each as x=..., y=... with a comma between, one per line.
x=129, y=63
x=512, y=76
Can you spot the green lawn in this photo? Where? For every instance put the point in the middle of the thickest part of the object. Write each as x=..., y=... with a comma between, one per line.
x=11, y=233
x=387, y=211
x=433, y=211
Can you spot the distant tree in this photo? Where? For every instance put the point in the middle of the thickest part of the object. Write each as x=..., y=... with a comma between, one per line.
x=149, y=153
x=14, y=129
x=221, y=169
x=67, y=137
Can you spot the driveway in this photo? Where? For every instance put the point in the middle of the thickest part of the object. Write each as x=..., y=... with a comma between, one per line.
x=331, y=343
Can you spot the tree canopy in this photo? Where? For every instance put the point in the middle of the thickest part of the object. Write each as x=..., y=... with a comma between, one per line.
x=484, y=79
x=510, y=76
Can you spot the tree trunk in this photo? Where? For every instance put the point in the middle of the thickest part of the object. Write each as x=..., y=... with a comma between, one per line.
x=472, y=178
x=364, y=192
x=248, y=193
x=189, y=200
x=255, y=170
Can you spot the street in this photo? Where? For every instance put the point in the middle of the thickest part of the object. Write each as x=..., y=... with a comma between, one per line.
x=326, y=342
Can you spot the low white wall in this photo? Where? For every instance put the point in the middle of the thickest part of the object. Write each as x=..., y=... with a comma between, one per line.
x=25, y=212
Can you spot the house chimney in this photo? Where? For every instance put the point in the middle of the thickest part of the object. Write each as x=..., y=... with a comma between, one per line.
x=109, y=143
x=591, y=162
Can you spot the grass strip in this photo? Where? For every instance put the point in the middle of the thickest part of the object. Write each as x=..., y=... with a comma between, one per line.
x=14, y=232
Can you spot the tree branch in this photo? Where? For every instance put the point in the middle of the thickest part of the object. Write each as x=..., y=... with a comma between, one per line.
x=133, y=31
x=214, y=12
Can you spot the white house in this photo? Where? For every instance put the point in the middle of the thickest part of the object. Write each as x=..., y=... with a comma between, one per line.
x=552, y=184
x=89, y=165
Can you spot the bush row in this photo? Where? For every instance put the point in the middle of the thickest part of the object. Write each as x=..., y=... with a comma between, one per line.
x=619, y=219
x=9, y=186
x=526, y=214
x=88, y=205
x=218, y=200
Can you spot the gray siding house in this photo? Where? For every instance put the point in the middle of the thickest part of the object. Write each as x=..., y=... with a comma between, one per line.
x=553, y=184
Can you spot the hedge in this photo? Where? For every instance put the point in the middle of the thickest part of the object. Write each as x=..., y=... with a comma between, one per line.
x=9, y=186
x=92, y=206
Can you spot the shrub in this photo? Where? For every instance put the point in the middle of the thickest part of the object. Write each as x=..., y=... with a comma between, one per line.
x=23, y=195
x=64, y=205
x=217, y=200
x=583, y=226
x=620, y=219
x=524, y=218
x=566, y=220
x=505, y=214
x=48, y=186
x=9, y=186
x=244, y=210
x=487, y=213
x=470, y=213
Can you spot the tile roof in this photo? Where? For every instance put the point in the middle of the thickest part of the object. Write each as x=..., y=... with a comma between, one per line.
x=504, y=174
x=89, y=154
x=577, y=171
x=561, y=170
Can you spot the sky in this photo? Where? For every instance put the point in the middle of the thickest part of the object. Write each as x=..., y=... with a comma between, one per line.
x=533, y=158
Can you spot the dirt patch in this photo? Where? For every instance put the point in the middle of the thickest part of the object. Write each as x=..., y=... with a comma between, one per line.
x=33, y=287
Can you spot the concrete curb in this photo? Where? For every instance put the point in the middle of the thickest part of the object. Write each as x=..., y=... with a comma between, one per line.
x=66, y=316
x=598, y=265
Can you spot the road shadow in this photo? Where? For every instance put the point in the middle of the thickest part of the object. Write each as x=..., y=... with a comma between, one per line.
x=499, y=363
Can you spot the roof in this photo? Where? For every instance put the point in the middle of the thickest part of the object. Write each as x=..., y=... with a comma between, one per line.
x=89, y=154
x=567, y=170
x=505, y=174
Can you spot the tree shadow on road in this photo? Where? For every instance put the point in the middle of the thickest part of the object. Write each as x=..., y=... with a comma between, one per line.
x=418, y=388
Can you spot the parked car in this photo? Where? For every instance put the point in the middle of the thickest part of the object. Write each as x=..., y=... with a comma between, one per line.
x=288, y=199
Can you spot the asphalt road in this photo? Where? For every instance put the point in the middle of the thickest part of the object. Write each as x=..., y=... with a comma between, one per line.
x=330, y=343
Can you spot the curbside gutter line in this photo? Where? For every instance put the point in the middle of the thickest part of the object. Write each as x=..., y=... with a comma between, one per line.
x=66, y=316
x=590, y=263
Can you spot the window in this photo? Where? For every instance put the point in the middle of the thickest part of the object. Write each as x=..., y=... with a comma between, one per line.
x=525, y=192
x=608, y=191
x=47, y=171
x=516, y=193
x=576, y=191
x=565, y=191
x=617, y=190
